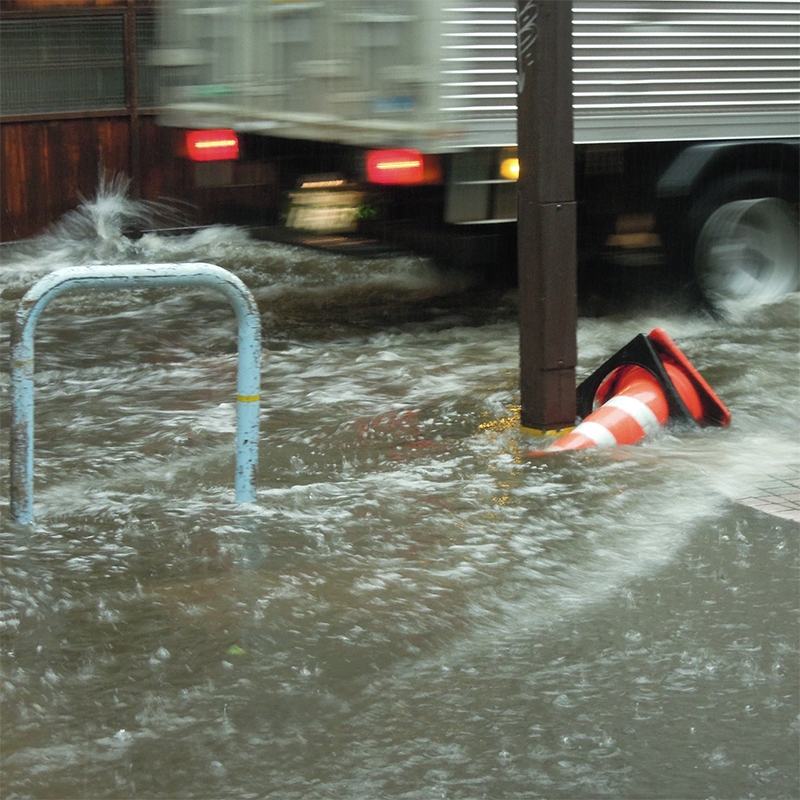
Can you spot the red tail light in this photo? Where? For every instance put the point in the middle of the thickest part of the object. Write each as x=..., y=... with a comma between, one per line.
x=395, y=166
x=220, y=145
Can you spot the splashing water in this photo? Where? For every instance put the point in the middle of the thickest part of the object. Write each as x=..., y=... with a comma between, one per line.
x=112, y=229
x=101, y=230
x=106, y=221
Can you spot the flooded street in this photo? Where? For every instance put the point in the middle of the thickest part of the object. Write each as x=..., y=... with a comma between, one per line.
x=415, y=607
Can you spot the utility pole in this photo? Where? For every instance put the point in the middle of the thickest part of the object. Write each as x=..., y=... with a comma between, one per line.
x=546, y=214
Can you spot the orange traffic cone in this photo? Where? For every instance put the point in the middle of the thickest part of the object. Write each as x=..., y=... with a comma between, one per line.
x=647, y=383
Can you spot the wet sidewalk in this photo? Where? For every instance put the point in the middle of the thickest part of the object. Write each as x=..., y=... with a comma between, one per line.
x=777, y=494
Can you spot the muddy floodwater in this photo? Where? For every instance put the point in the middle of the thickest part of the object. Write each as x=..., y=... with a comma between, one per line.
x=415, y=607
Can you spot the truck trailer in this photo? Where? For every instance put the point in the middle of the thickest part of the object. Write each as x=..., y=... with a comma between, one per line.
x=398, y=119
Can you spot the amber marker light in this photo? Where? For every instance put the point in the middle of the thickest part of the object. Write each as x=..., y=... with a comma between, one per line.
x=221, y=145
x=509, y=169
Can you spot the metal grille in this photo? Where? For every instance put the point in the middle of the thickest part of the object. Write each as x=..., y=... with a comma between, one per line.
x=55, y=65
x=146, y=72
x=643, y=70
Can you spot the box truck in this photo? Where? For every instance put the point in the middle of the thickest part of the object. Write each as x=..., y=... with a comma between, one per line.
x=398, y=118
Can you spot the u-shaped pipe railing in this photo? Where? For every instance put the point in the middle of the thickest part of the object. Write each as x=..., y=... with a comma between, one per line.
x=134, y=276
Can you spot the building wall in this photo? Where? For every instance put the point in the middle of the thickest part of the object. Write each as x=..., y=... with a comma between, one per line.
x=77, y=105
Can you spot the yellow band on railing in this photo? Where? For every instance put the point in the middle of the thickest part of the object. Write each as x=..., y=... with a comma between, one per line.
x=248, y=398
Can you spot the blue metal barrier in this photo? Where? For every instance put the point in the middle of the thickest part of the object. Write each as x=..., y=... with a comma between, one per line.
x=132, y=277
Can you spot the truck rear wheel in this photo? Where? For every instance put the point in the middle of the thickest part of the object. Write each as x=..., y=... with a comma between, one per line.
x=749, y=251
x=743, y=235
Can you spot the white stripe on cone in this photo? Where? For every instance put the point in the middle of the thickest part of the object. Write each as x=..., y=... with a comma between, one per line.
x=642, y=413
x=600, y=435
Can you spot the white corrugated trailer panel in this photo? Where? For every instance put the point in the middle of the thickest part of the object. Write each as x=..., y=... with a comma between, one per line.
x=442, y=76
x=642, y=71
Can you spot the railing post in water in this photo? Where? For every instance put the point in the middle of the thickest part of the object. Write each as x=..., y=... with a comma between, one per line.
x=134, y=276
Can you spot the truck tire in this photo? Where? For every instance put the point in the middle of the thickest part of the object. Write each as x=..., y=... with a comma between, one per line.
x=749, y=251
x=746, y=242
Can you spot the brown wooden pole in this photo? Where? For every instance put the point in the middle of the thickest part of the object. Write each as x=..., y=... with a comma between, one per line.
x=546, y=215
